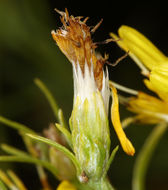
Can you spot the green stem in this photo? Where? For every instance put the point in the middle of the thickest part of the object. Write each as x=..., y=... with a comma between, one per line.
x=145, y=155
x=102, y=184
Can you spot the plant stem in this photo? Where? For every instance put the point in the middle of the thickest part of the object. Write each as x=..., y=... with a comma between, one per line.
x=102, y=184
x=145, y=155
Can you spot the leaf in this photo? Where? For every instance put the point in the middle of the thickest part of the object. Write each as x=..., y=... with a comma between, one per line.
x=59, y=147
x=7, y=181
x=16, y=180
x=16, y=125
x=48, y=95
x=66, y=133
x=2, y=186
x=57, y=112
x=110, y=161
x=14, y=151
x=27, y=159
x=62, y=119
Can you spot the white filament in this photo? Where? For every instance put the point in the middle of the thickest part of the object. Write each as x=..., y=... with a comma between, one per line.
x=85, y=84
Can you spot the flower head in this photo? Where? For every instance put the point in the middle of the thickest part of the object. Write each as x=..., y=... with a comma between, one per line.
x=154, y=65
x=139, y=47
x=89, y=120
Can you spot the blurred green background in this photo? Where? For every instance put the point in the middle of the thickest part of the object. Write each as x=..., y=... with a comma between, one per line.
x=27, y=51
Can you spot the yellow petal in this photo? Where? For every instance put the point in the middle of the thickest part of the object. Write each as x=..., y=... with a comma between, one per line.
x=125, y=143
x=119, y=42
x=66, y=185
x=139, y=45
x=149, y=104
x=159, y=78
x=158, y=88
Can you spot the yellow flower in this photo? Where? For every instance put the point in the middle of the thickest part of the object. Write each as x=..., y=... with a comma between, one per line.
x=139, y=47
x=149, y=109
x=66, y=185
x=154, y=65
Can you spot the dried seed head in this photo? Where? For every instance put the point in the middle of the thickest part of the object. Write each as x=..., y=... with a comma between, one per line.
x=74, y=40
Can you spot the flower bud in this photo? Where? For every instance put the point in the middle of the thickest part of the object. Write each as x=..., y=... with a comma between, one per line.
x=89, y=123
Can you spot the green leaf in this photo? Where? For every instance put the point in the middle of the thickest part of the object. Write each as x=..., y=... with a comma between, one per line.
x=16, y=180
x=59, y=147
x=14, y=151
x=62, y=119
x=16, y=125
x=110, y=161
x=57, y=112
x=2, y=186
x=66, y=133
x=28, y=159
x=145, y=155
x=48, y=95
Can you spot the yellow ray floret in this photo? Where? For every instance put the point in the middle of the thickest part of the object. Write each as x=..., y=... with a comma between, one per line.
x=125, y=143
x=145, y=54
x=66, y=185
x=149, y=109
x=139, y=46
x=158, y=80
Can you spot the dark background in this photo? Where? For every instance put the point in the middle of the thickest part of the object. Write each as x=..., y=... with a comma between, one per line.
x=27, y=51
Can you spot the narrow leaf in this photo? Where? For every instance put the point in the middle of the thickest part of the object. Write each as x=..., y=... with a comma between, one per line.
x=16, y=180
x=110, y=161
x=25, y=159
x=7, y=181
x=59, y=147
x=48, y=95
x=2, y=186
x=66, y=133
x=11, y=150
x=51, y=101
x=62, y=119
x=15, y=125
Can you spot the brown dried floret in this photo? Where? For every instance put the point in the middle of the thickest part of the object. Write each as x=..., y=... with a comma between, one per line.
x=74, y=40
